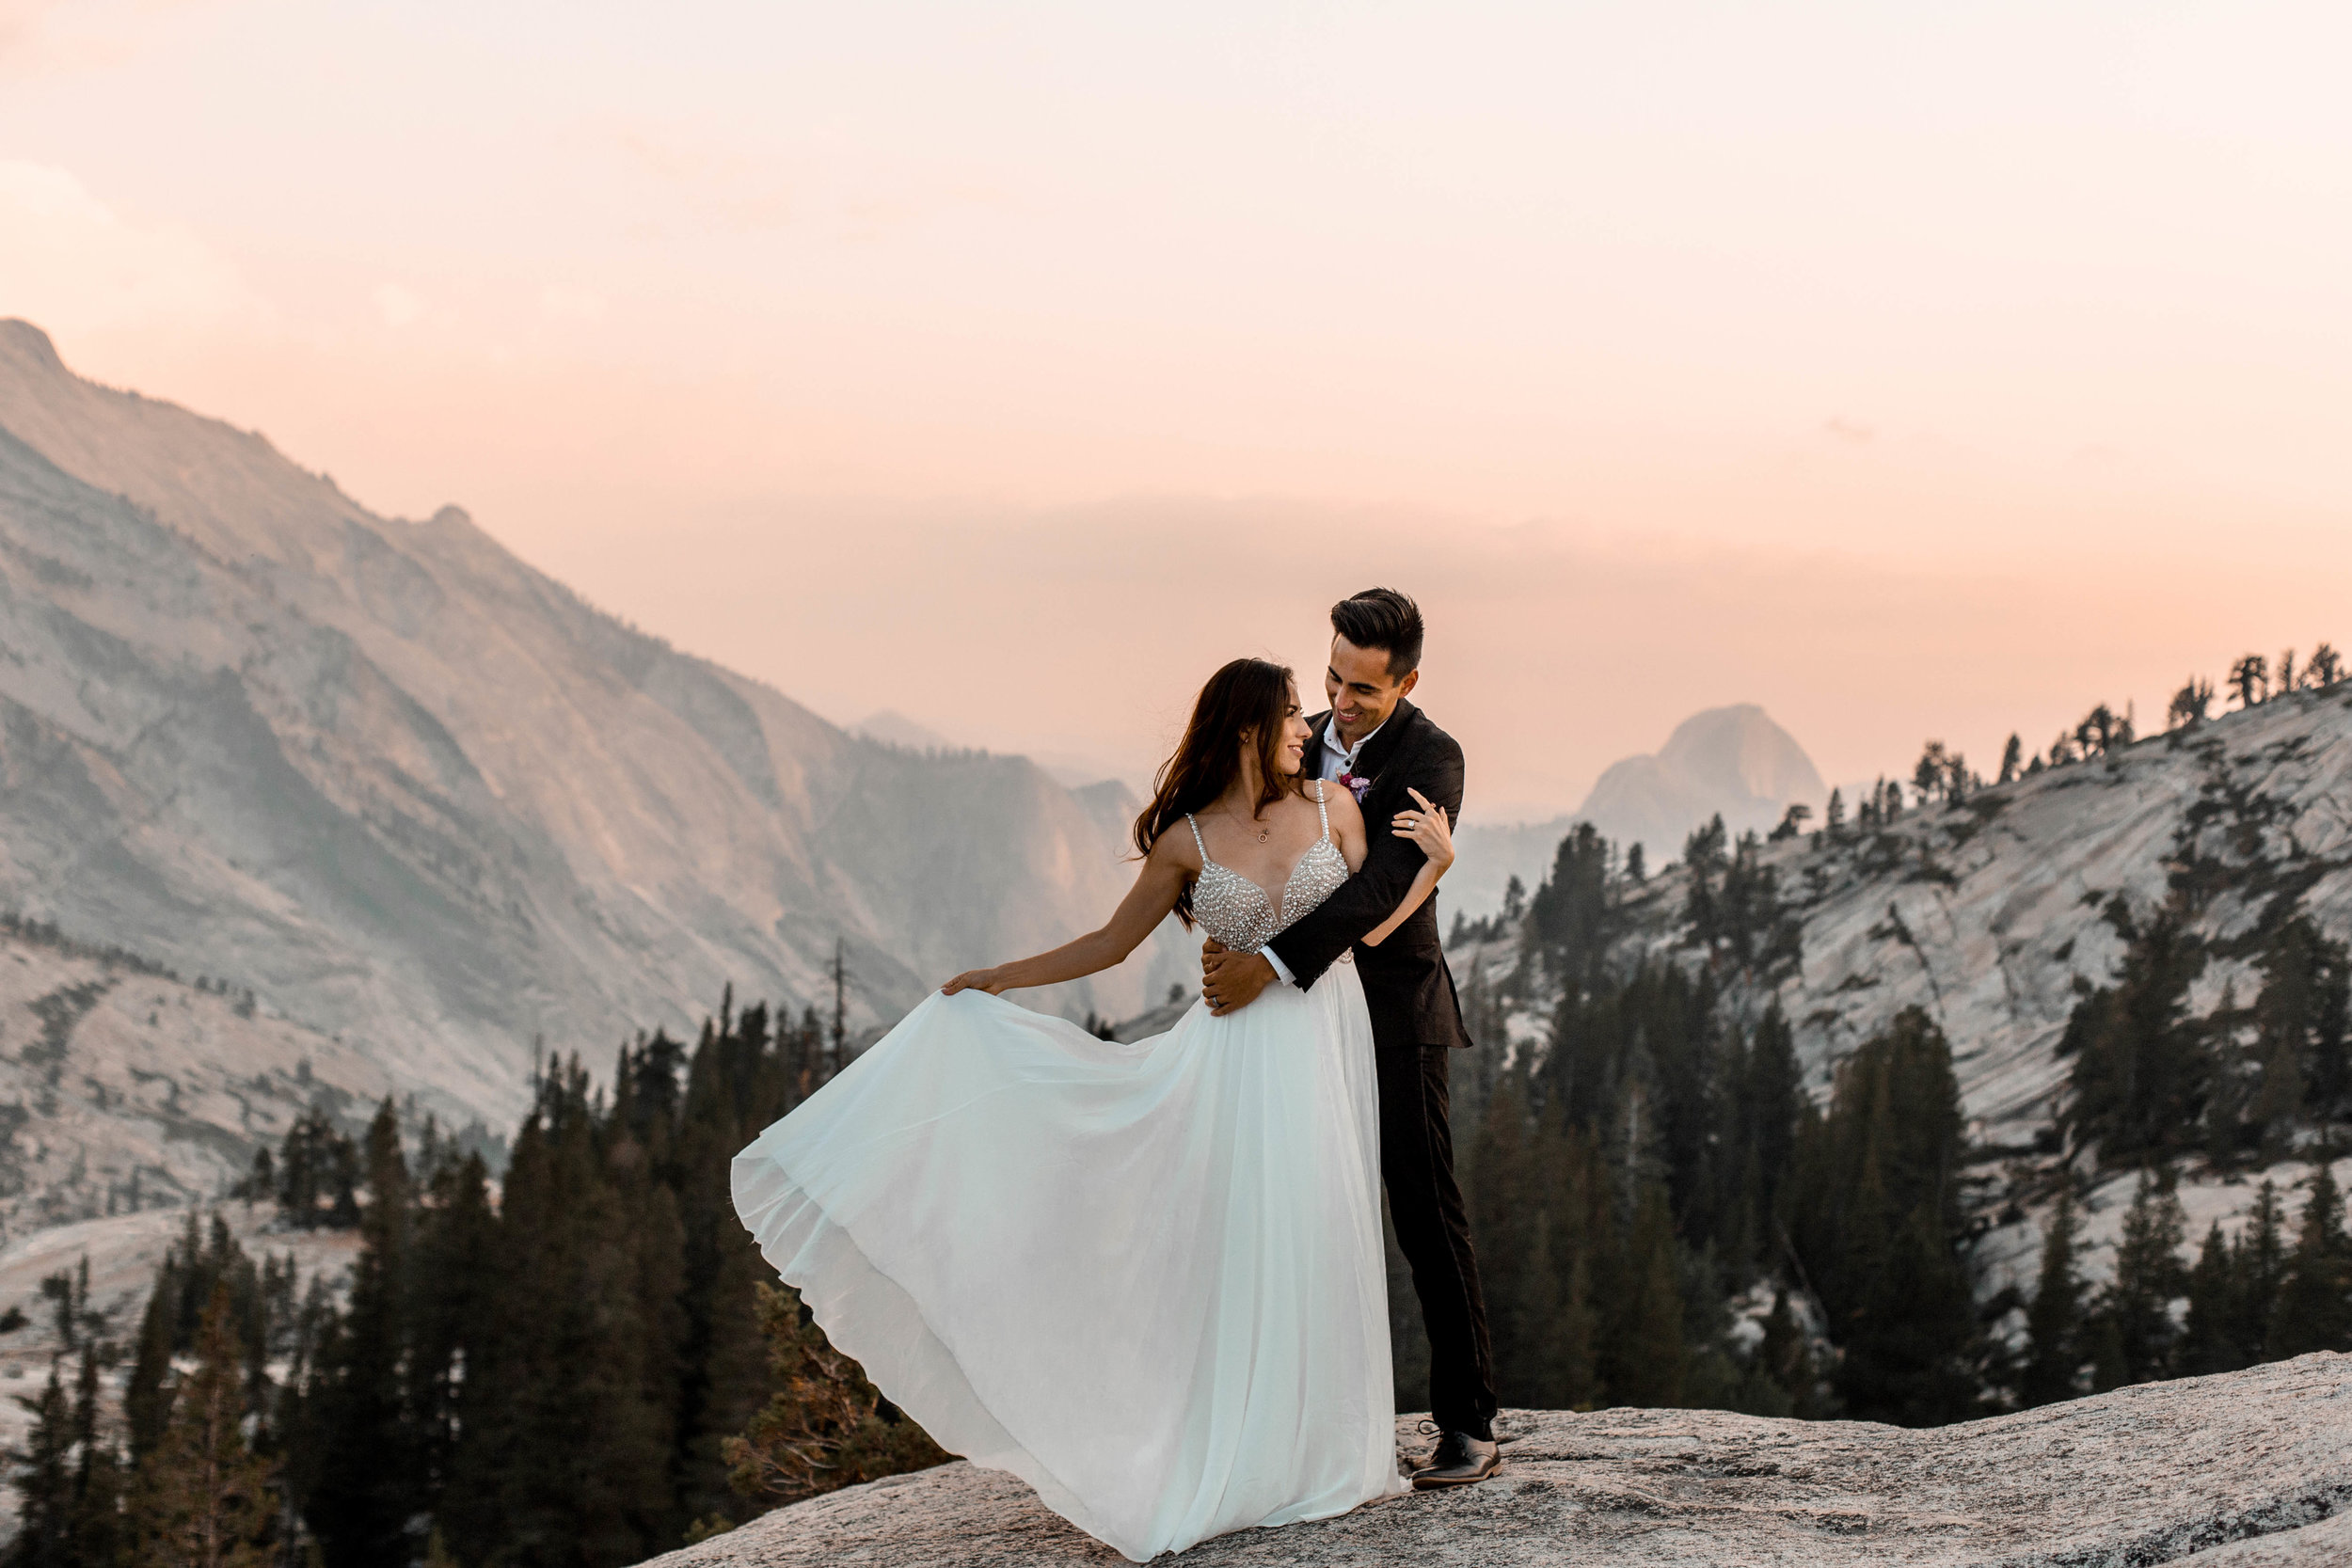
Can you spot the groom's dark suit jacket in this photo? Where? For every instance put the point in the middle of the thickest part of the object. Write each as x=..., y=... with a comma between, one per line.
x=1407, y=985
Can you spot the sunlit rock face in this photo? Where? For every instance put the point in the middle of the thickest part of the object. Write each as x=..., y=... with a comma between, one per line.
x=1997, y=913
x=415, y=794
x=2252, y=1468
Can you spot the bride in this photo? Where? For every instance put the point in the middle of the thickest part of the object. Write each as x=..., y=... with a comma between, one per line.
x=1147, y=1278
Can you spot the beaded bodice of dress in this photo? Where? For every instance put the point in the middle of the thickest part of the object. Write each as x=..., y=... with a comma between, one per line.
x=1236, y=910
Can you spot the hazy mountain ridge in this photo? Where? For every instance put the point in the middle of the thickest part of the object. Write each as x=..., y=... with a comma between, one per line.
x=1732, y=762
x=411, y=790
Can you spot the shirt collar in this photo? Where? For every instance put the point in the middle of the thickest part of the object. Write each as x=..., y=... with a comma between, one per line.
x=1346, y=754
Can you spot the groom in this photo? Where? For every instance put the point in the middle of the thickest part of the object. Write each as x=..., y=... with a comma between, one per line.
x=1379, y=745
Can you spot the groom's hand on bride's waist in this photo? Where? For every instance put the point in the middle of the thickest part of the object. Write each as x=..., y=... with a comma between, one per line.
x=1230, y=980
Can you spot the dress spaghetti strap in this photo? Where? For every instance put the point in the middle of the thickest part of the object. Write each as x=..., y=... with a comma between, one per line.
x=1322, y=809
x=1196, y=840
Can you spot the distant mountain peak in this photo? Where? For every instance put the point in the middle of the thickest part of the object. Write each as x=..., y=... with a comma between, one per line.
x=23, y=340
x=1739, y=750
x=1731, y=761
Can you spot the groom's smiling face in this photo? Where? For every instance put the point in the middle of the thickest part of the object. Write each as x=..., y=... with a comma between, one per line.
x=1362, y=691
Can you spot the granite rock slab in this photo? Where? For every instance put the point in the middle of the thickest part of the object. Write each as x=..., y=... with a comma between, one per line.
x=2250, y=1469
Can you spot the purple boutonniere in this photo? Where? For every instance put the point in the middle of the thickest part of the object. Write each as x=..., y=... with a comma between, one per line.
x=1356, y=786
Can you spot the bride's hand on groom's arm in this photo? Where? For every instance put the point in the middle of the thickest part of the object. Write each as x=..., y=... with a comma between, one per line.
x=988, y=980
x=1428, y=827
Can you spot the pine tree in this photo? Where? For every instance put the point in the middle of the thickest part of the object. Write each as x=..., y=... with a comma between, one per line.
x=2315, y=1310
x=147, y=1395
x=457, y=1253
x=826, y=1426
x=99, y=1533
x=2249, y=677
x=572, y=1454
x=45, y=1482
x=2148, y=1277
x=1769, y=1105
x=2012, y=758
x=368, y=1489
x=1876, y=1221
x=1649, y=1354
x=2258, y=1268
x=2207, y=1343
x=1503, y=1215
x=201, y=1258
x=1911, y=1357
x=1781, y=1376
x=1572, y=919
x=1575, y=1363
x=2300, y=1029
x=2054, y=1321
x=2140, y=1068
x=1552, y=1317
x=2190, y=704
x=1929, y=777
x=204, y=1500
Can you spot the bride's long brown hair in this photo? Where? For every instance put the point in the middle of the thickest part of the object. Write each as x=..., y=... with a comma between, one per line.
x=1250, y=696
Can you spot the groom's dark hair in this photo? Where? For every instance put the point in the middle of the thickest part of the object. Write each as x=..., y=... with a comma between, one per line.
x=1382, y=618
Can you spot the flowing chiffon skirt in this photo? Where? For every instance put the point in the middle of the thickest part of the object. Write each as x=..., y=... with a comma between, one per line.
x=1147, y=1278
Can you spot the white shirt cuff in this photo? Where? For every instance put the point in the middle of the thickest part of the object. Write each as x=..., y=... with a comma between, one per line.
x=1282, y=970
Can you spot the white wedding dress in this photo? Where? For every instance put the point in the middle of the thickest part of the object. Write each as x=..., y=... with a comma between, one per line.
x=1145, y=1279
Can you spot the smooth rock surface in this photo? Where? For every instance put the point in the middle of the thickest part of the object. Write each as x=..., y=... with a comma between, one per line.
x=2252, y=1470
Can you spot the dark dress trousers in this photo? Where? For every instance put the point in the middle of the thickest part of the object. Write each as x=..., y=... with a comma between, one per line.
x=1416, y=1018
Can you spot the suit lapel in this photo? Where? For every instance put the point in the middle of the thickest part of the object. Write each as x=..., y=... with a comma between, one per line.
x=1377, y=752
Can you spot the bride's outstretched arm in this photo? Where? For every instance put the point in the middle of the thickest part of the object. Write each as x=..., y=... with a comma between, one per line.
x=1430, y=830
x=1156, y=890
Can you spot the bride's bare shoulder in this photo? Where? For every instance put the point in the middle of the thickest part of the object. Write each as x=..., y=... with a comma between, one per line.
x=1176, y=846
x=1347, y=816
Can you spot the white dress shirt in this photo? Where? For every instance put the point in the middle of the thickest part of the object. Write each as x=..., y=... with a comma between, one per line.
x=1338, y=759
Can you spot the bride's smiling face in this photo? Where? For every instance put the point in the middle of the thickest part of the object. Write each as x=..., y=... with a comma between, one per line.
x=1292, y=750
x=1289, y=747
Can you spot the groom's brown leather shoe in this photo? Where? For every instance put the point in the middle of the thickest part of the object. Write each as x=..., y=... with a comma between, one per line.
x=1459, y=1460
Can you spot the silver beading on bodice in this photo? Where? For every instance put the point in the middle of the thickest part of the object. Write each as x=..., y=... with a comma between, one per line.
x=1236, y=910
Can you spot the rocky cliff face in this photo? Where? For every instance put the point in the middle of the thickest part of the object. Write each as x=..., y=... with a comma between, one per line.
x=411, y=792
x=2252, y=1468
x=1991, y=916
x=124, y=1089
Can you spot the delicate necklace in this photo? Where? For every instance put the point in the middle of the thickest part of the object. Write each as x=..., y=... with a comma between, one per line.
x=1262, y=833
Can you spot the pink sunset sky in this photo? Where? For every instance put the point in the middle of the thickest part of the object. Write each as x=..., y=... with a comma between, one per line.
x=1913, y=370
